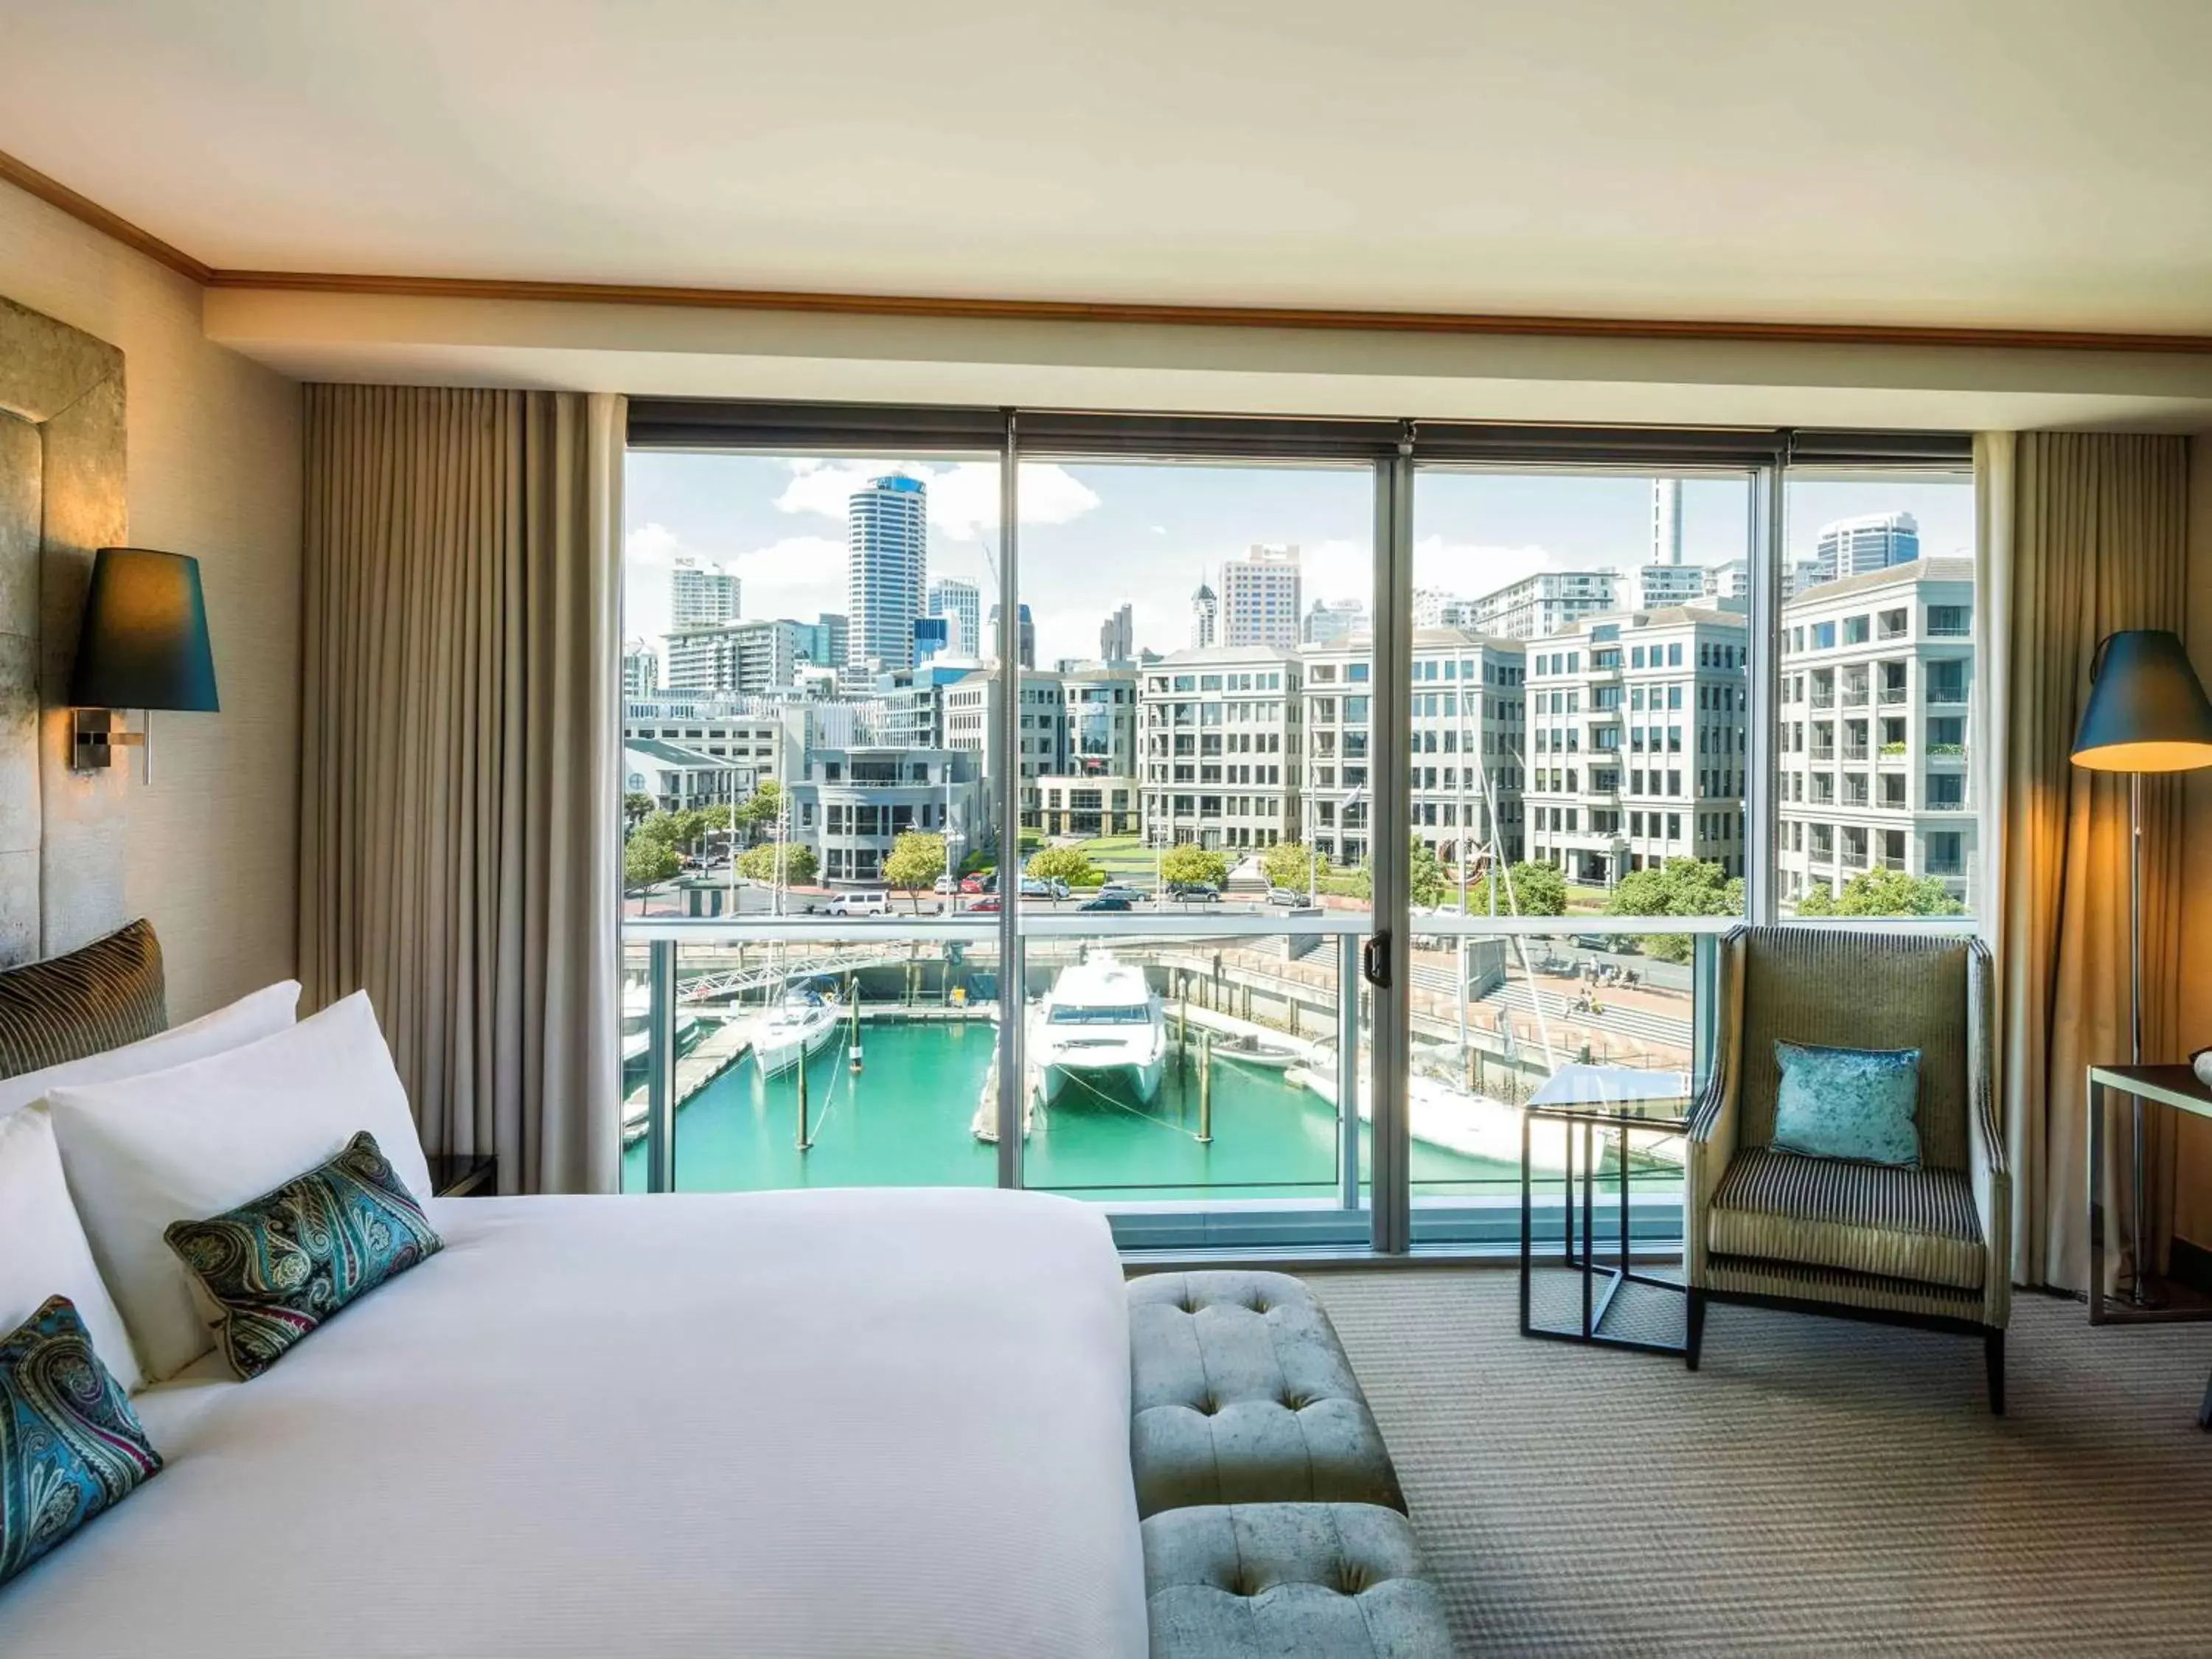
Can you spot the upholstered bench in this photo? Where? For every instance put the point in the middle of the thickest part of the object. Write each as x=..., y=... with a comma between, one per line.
x=1332, y=1581
x=1241, y=1395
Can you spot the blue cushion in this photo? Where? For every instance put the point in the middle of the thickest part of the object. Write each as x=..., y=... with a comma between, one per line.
x=281, y=1266
x=1848, y=1102
x=71, y=1446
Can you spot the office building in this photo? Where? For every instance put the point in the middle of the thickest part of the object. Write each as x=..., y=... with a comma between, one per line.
x=888, y=535
x=1331, y=621
x=1117, y=636
x=1728, y=582
x=1260, y=598
x=640, y=670
x=962, y=602
x=1465, y=705
x=1877, y=679
x=1025, y=635
x=1874, y=541
x=1220, y=732
x=1636, y=743
x=699, y=594
x=1205, y=619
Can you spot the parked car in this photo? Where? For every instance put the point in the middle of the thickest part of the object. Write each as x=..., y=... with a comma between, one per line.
x=947, y=884
x=1193, y=891
x=1285, y=896
x=974, y=884
x=1107, y=901
x=1039, y=887
x=1115, y=890
x=861, y=903
x=986, y=906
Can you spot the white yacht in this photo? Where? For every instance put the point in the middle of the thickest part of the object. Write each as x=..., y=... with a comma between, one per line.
x=805, y=1024
x=1100, y=1030
x=637, y=1023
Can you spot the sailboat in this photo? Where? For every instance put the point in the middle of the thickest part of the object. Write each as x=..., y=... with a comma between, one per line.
x=805, y=1023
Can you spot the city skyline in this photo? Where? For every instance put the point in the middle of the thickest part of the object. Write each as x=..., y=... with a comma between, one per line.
x=1093, y=536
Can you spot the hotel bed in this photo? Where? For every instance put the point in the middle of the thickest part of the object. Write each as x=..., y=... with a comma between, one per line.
x=858, y=1423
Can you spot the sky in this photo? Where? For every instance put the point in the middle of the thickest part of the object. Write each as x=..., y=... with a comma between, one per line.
x=1092, y=537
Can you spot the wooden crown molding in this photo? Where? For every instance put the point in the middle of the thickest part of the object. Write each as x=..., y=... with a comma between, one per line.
x=54, y=193
x=1072, y=311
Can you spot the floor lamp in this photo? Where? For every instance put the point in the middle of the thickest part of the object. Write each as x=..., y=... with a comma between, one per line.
x=2147, y=713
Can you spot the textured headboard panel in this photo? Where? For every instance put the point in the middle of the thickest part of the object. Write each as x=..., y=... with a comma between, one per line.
x=62, y=476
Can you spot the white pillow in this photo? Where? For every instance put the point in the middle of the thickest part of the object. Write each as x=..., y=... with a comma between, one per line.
x=263, y=1013
x=193, y=1141
x=43, y=1252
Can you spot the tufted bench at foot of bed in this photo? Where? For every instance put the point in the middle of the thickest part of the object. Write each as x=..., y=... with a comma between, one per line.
x=1333, y=1581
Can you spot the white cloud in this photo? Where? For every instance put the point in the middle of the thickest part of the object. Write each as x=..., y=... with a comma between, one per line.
x=1471, y=570
x=964, y=497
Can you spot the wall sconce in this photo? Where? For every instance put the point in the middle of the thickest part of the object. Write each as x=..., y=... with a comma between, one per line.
x=144, y=644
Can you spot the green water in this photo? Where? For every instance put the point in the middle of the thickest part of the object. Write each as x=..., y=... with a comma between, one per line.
x=906, y=1120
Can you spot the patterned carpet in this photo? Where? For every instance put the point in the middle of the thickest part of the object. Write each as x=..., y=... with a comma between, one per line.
x=1817, y=1487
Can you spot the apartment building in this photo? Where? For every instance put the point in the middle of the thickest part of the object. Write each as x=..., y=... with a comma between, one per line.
x=1550, y=602
x=701, y=593
x=1636, y=743
x=640, y=670
x=1465, y=712
x=1877, y=680
x=1220, y=730
x=749, y=657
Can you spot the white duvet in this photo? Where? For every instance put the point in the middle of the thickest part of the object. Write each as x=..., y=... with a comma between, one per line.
x=873, y=1424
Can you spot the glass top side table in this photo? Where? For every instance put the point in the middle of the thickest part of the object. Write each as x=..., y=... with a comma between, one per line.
x=1637, y=1104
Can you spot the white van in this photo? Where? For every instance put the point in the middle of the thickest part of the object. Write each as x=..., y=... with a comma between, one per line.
x=861, y=903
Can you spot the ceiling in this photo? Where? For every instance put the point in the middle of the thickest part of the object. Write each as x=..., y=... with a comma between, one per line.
x=1996, y=163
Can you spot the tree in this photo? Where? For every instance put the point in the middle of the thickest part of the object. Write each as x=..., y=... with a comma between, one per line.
x=1068, y=864
x=636, y=807
x=1424, y=875
x=1288, y=863
x=1528, y=889
x=646, y=860
x=714, y=818
x=761, y=808
x=1680, y=887
x=676, y=829
x=1188, y=862
x=1881, y=893
x=800, y=864
x=917, y=861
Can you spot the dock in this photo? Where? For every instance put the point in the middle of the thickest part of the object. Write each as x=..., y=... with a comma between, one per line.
x=712, y=1055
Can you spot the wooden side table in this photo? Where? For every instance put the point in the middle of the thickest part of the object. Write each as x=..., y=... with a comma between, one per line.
x=2178, y=1087
x=453, y=1176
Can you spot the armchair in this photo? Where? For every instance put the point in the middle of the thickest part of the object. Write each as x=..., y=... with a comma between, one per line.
x=1930, y=1247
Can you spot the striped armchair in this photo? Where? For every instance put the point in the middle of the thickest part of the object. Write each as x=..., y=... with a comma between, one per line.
x=1929, y=1247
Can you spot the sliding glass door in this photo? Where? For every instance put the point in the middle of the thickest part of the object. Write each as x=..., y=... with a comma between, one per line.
x=1237, y=823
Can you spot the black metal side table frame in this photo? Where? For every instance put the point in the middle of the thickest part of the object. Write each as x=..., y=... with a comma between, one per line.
x=1596, y=1302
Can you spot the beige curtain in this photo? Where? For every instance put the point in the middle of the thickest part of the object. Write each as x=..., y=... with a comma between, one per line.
x=2083, y=533
x=458, y=852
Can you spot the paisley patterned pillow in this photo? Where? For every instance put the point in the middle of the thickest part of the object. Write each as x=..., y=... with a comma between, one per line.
x=1848, y=1102
x=71, y=1446
x=282, y=1265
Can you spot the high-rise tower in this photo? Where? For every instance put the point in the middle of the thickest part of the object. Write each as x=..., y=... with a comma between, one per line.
x=1260, y=598
x=1666, y=521
x=960, y=603
x=889, y=522
x=1205, y=617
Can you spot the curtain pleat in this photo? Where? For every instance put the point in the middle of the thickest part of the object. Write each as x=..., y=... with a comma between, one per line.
x=2096, y=524
x=459, y=851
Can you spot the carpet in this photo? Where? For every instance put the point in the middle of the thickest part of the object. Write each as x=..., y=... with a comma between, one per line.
x=1818, y=1486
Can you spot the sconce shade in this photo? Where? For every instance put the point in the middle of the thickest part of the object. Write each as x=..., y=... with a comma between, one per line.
x=2147, y=709
x=143, y=643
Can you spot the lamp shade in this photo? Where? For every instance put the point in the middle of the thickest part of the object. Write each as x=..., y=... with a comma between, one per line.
x=2147, y=711
x=143, y=643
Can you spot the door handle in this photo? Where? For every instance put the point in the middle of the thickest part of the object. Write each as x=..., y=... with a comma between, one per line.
x=1374, y=961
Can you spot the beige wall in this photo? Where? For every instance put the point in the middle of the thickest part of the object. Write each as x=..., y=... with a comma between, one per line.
x=2193, y=1205
x=215, y=473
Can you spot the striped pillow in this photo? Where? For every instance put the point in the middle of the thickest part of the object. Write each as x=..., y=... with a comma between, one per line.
x=100, y=997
